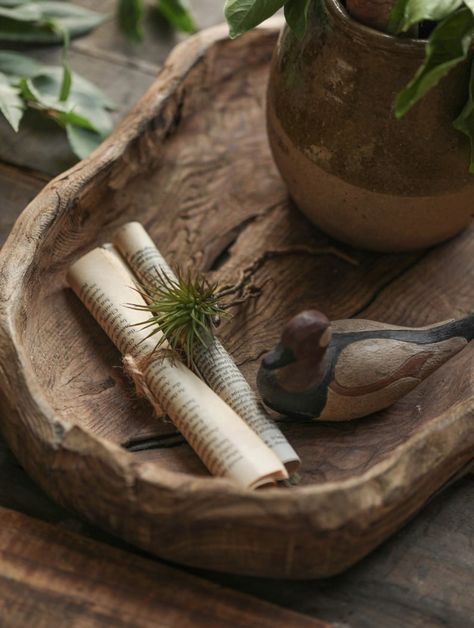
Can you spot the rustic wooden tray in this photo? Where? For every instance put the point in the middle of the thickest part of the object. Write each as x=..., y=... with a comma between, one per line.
x=192, y=163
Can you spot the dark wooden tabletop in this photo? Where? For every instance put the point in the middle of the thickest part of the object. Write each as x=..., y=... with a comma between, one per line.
x=61, y=571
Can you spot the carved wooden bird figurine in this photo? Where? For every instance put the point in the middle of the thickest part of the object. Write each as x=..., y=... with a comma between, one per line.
x=350, y=368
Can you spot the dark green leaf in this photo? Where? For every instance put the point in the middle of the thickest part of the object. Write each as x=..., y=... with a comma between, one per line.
x=296, y=15
x=66, y=83
x=406, y=13
x=448, y=45
x=243, y=15
x=470, y=4
x=176, y=12
x=16, y=64
x=44, y=89
x=130, y=16
x=11, y=3
x=11, y=104
x=45, y=22
x=82, y=141
x=30, y=12
x=465, y=121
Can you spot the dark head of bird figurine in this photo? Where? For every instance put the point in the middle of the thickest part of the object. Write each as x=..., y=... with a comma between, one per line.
x=351, y=368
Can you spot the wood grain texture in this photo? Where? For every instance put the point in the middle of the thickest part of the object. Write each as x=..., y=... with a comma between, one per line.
x=192, y=162
x=50, y=577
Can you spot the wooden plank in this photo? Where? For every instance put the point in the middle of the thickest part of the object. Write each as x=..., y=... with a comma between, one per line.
x=50, y=577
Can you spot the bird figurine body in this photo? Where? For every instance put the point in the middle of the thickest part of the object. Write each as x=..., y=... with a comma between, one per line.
x=351, y=368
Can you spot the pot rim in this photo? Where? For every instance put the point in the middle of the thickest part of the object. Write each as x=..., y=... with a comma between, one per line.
x=372, y=37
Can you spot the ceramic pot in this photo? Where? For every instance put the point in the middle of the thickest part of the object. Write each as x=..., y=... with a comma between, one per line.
x=358, y=173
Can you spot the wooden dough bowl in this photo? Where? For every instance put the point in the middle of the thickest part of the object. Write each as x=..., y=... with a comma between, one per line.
x=191, y=161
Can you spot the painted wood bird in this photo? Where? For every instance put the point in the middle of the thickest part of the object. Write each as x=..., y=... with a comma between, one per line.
x=350, y=368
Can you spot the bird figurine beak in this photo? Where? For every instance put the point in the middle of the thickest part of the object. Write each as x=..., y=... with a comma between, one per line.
x=277, y=358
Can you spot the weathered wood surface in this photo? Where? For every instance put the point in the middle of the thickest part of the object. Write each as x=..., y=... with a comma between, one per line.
x=403, y=578
x=192, y=163
x=50, y=577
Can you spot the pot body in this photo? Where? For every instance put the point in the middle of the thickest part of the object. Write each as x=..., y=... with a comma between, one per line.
x=357, y=172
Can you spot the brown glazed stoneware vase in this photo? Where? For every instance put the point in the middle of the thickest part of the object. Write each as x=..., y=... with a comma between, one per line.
x=358, y=173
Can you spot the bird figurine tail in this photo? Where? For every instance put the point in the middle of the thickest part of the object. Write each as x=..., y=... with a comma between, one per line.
x=351, y=368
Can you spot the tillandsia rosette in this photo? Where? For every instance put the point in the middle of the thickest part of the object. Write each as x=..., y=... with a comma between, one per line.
x=449, y=25
x=186, y=311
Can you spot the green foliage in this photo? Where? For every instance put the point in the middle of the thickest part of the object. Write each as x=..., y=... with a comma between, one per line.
x=70, y=100
x=406, y=13
x=243, y=15
x=130, y=16
x=296, y=15
x=11, y=104
x=447, y=46
x=44, y=22
x=185, y=310
x=465, y=121
x=175, y=12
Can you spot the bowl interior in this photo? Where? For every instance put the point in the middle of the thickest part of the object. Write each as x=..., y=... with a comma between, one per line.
x=211, y=198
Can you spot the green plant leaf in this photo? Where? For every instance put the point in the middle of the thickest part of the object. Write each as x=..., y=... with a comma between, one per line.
x=296, y=15
x=447, y=46
x=11, y=3
x=29, y=12
x=243, y=15
x=16, y=64
x=406, y=13
x=176, y=12
x=130, y=16
x=465, y=121
x=82, y=141
x=46, y=22
x=44, y=89
x=11, y=104
x=469, y=4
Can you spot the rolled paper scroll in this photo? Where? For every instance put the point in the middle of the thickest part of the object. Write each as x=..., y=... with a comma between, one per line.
x=223, y=441
x=213, y=362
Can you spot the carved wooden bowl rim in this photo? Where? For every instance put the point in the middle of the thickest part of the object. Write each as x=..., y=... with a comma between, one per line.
x=25, y=402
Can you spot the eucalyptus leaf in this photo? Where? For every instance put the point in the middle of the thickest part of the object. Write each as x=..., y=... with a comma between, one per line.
x=82, y=141
x=447, y=46
x=16, y=64
x=11, y=104
x=130, y=16
x=44, y=89
x=46, y=22
x=296, y=15
x=30, y=12
x=470, y=4
x=465, y=121
x=176, y=12
x=243, y=15
x=11, y=3
x=406, y=13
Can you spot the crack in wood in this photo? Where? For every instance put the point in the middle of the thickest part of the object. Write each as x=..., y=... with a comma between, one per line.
x=388, y=283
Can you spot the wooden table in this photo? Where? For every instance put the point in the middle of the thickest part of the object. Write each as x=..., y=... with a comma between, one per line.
x=60, y=571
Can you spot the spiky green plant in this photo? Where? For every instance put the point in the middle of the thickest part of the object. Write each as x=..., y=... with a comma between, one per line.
x=186, y=310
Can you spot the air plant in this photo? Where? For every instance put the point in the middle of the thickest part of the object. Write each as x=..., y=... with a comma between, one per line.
x=186, y=310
